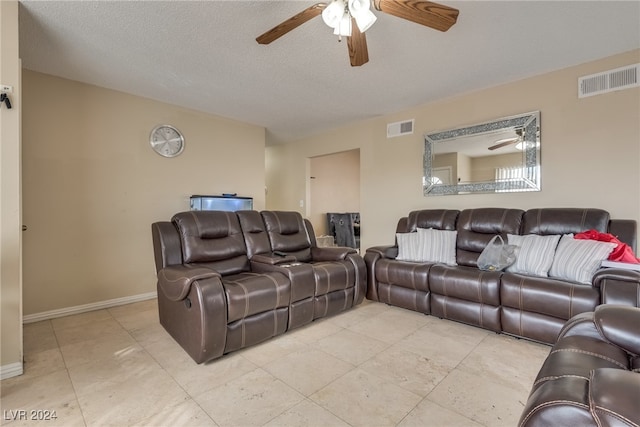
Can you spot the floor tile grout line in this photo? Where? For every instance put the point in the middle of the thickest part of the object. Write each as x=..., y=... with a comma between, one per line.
x=307, y=399
x=66, y=369
x=449, y=373
x=75, y=393
x=128, y=333
x=186, y=392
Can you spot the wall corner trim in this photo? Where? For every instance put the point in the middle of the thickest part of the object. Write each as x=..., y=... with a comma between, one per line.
x=68, y=311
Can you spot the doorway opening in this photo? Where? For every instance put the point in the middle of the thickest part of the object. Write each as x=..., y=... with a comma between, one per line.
x=334, y=188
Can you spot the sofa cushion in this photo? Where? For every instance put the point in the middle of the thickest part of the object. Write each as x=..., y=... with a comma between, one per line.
x=535, y=253
x=255, y=235
x=441, y=219
x=404, y=274
x=288, y=233
x=544, y=295
x=613, y=397
x=333, y=276
x=250, y=293
x=476, y=228
x=466, y=283
x=546, y=221
x=578, y=260
x=212, y=239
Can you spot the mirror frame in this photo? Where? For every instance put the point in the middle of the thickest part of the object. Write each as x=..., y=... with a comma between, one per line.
x=530, y=122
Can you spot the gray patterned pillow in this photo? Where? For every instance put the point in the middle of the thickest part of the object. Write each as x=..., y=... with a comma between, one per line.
x=535, y=253
x=577, y=260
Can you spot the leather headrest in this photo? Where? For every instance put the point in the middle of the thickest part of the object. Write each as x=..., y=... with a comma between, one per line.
x=289, y=222
x=203, y=224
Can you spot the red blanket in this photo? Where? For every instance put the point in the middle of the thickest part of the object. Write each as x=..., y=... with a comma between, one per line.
x=622, y=252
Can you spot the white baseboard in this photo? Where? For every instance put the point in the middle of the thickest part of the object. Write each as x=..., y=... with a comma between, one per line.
x=11, y=370
x=52, y=314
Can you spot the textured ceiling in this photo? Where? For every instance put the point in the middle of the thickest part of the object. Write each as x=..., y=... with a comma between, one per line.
x=203, y=54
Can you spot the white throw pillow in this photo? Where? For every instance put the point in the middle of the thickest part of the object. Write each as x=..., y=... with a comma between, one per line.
x=409, y=247
x=535, y=253
x=577, y=260
x=438, y=245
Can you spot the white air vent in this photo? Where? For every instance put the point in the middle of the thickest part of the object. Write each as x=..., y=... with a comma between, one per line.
x=609, y=81
x=400, y=128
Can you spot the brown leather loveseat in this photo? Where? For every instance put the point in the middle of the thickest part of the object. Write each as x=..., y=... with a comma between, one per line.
x=228, y=280
x=523, y=305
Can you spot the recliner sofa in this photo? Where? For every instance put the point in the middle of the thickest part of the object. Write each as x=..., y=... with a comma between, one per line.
x=522, y=305
x=592, y=374
x=228, y=280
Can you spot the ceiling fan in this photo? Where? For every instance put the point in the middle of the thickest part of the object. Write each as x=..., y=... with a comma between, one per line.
x=351, y=18
x=508, y=141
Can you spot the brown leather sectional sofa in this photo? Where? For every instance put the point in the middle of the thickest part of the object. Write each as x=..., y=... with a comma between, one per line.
x=592, y=374
x=526, y=306
x=228, y=280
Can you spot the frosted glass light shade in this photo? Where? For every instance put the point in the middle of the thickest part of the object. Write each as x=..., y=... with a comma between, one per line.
x=365, y=20
x=361, y=10
x=333, y=13
x=359, y=6
x=344, y=26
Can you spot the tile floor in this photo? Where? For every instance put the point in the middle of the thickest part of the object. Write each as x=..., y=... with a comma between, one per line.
x=375, y=365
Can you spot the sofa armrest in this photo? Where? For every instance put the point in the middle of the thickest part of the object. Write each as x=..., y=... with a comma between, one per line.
x=331, y=253
x=273, y=259
x=371, y=258
x=620, y=325
x=625, y=230
x=390, y=252
x=618, y=286
x=613, y=396
x=621, y=274
x=175, y=281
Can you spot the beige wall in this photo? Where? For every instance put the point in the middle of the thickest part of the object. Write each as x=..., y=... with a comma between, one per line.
x=10, y=209
x=93, y=186
x=334, y=187
x=590, y=151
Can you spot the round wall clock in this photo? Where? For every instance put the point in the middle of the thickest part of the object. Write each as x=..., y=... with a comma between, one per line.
x=166, y=140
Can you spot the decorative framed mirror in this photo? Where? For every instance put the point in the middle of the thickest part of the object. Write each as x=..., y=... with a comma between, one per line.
x=500, y=156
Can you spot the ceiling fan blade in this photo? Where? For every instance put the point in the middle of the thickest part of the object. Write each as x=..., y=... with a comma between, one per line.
x=426, y=13
x=504, y=143
x=290, y=24
x=357, y=43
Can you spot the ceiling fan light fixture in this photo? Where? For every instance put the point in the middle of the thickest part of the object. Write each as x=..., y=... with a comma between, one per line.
x=361, y=11
x=344, y=26
x=523, y=145
x=365, y=20
x=334, y=13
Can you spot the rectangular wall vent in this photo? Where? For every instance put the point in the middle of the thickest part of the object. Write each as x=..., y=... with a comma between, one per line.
x=400, y=128
x=609, y=81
